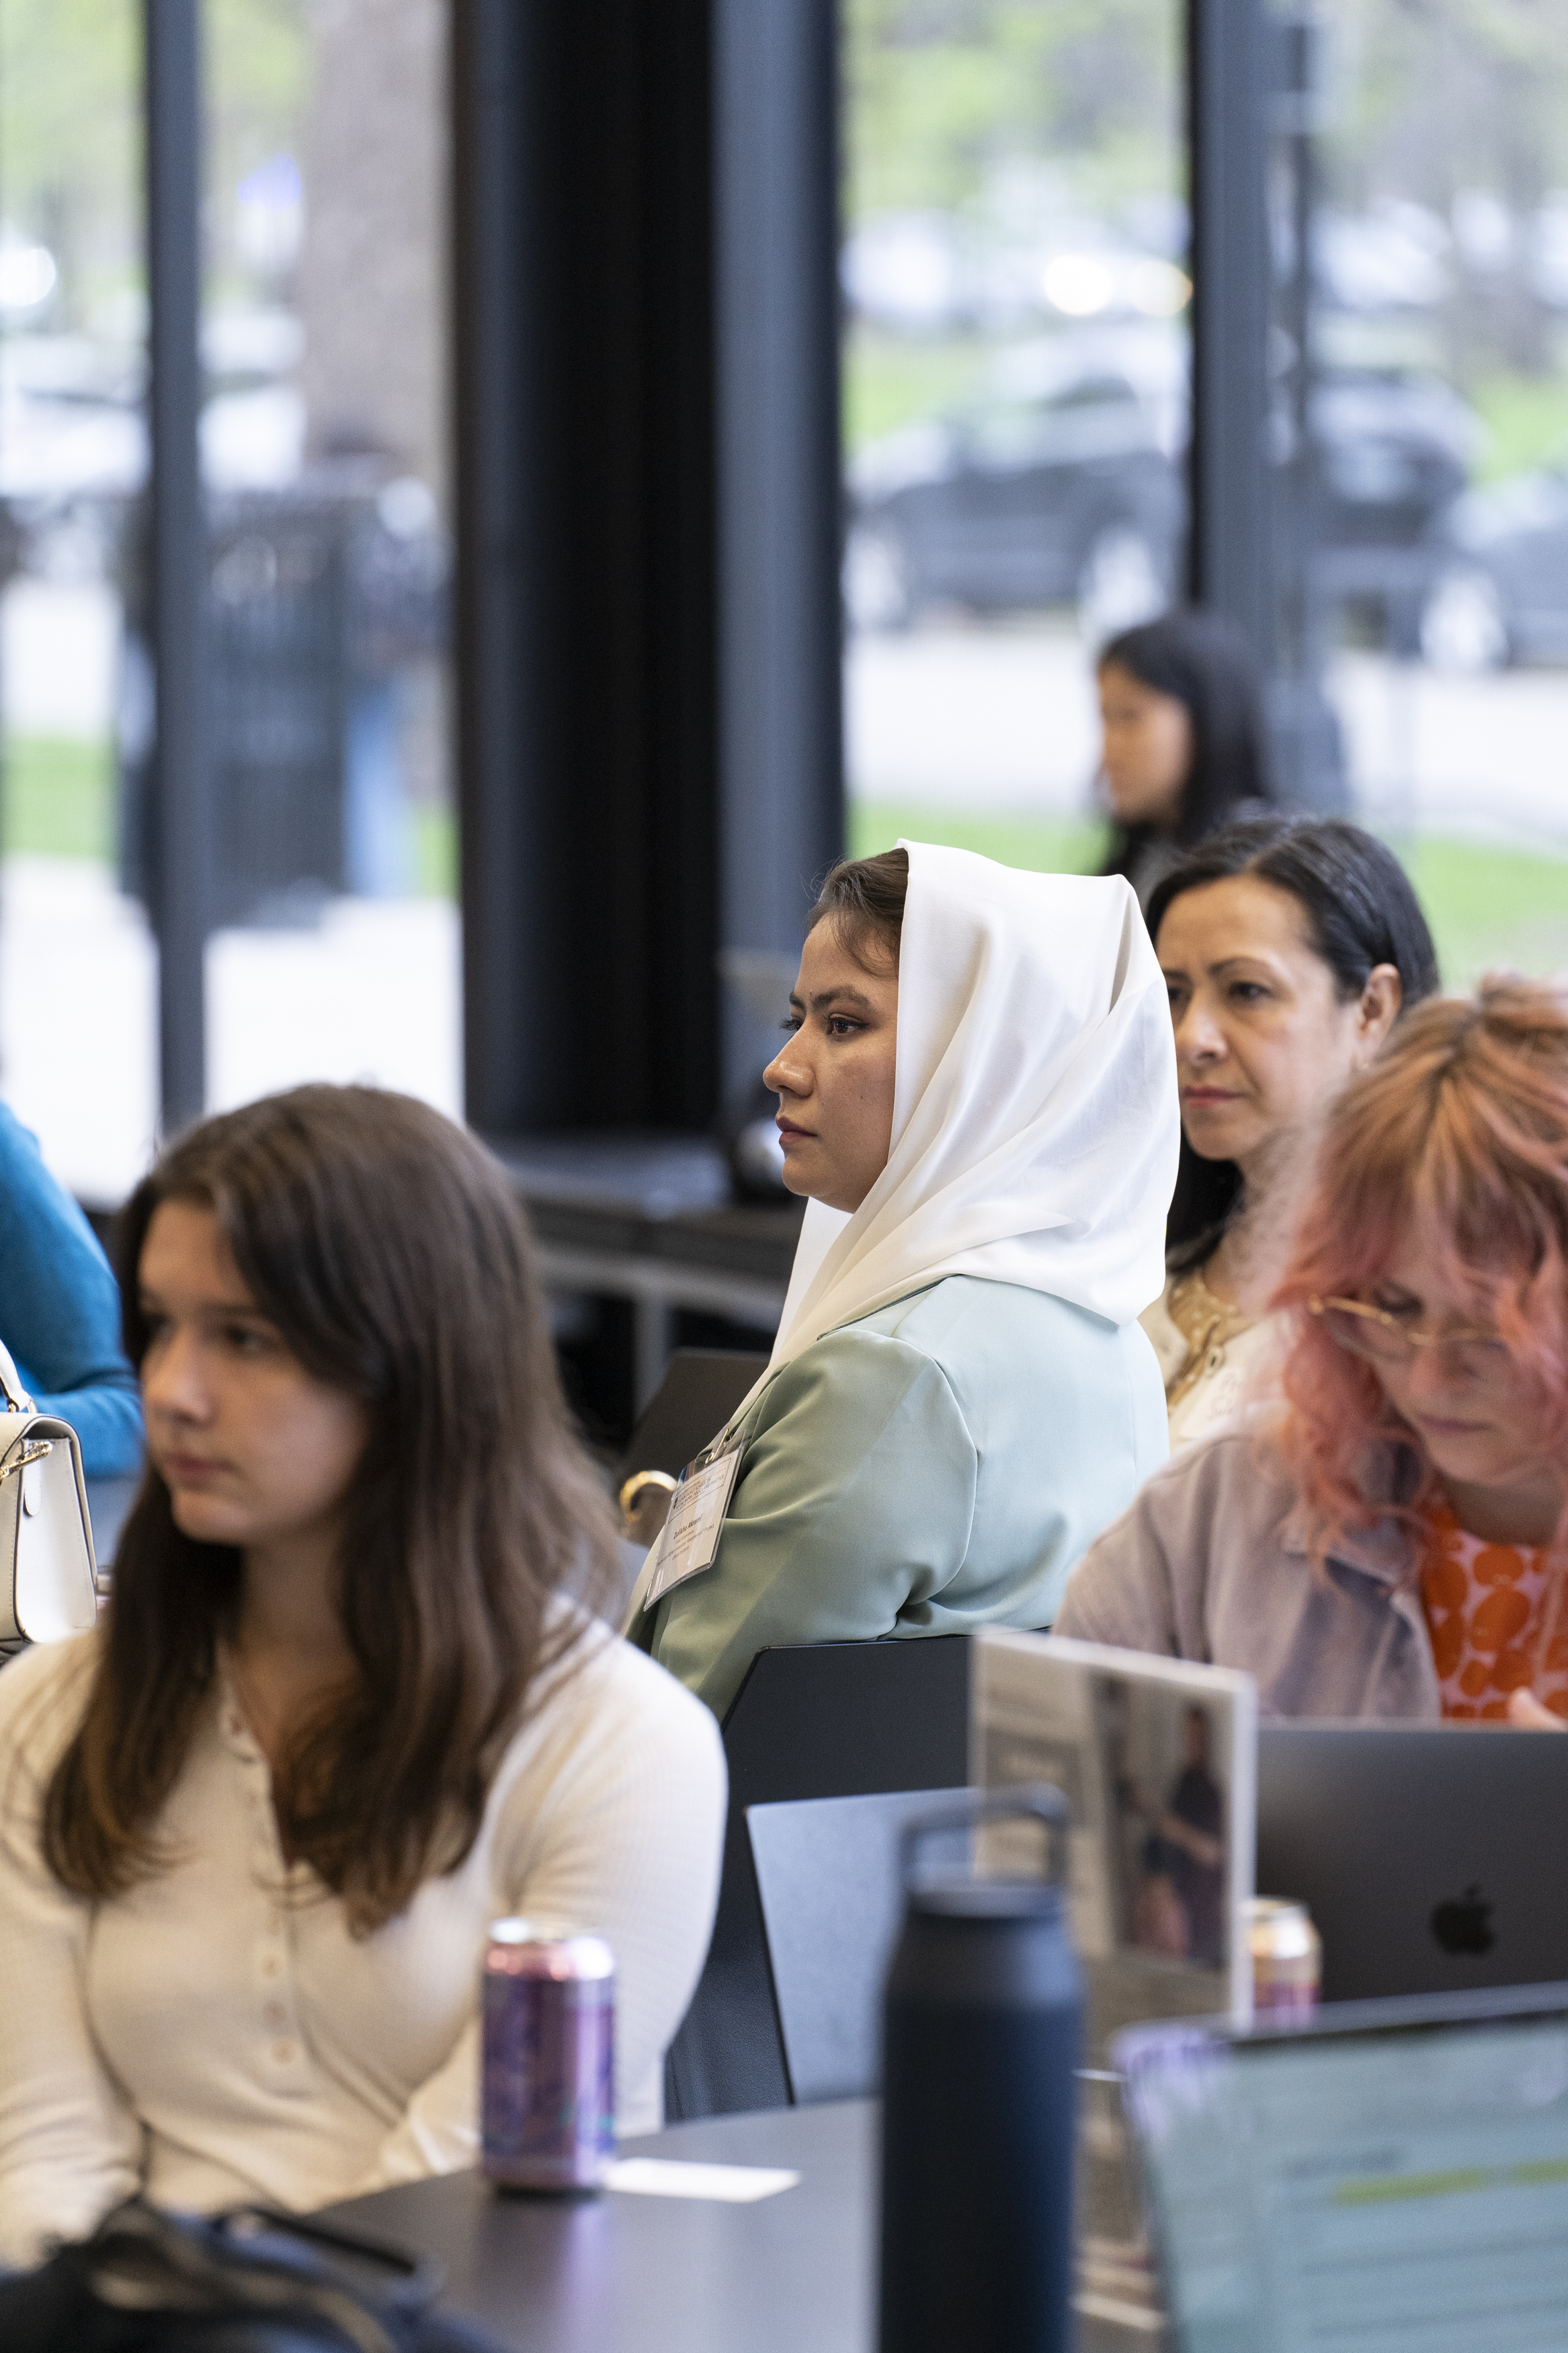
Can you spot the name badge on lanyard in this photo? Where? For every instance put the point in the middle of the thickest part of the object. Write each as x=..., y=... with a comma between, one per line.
x=690, y=1536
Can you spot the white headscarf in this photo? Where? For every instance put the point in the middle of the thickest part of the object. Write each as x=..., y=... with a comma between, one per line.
x=1034, y=1119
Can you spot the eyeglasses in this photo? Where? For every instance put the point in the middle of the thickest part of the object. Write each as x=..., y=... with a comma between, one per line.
x=1372, y=1332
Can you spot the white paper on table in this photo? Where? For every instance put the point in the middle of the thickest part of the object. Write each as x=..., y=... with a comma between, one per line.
x=664, y=2176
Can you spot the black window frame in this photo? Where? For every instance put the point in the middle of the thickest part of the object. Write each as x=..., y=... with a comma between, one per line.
x=645, y=371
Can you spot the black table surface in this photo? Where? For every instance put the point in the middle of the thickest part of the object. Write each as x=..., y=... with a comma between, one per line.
x=651, y=1197
x=794, y=2273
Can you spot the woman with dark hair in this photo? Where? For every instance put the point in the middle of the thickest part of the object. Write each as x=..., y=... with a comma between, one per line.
x=1289, y=949
x=1182, y=740
x=349, y=1702
x=977, y=1099
x=1389, y=1537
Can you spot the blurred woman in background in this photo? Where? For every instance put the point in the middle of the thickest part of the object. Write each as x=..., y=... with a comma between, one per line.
x=1289, y=949
x=350, y=1702
x=1392, y=1540
x=1183, y=750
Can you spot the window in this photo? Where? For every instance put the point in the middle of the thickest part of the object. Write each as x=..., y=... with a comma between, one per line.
x=1015, y=406
x=325, y=459
x=1420, y=222
x=334, y=934
x=78, y=966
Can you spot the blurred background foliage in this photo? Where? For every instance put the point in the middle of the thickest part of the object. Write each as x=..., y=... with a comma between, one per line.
x=942, y=92
x=72, y=139
x=1441, y=250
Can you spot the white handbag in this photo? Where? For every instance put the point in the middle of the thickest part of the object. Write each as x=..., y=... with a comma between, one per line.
x=48, y=1578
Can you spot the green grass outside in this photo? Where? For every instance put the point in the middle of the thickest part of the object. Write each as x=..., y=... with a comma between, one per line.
x=56, y=800
x=1487, y=907
x=1045, y=845
x=1527, y=419
x=889, y=380
x=436, y=853
x=1491, y=908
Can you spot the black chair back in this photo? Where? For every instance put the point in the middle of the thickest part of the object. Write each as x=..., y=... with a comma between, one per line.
x=699, y=1391
x=816, y=1720
x=832, y=1895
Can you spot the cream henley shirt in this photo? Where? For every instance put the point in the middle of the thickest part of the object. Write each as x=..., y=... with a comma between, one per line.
x=217, y=2035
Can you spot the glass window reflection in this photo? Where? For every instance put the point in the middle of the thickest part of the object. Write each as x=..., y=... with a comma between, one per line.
x=1016, y=403
x=325, y=455
x=78, y=969
x=1422, y=366
x=335, y=945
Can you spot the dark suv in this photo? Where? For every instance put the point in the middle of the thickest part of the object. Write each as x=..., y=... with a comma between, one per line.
x=1062, y=482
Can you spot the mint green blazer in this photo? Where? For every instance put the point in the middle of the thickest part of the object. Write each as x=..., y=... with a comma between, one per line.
x=937, y=1466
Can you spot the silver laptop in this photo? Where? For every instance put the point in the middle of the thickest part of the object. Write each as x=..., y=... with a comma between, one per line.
x=1393, y=2180
x=1433, y=1858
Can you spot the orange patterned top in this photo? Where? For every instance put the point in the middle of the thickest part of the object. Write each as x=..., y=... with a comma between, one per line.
x=1483, y=1605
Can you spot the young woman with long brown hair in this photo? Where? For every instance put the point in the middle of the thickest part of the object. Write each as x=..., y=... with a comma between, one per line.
x=1393, y=1541
x=349, y=1702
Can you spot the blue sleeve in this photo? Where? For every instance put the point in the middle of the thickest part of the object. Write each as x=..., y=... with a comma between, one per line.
x=59, y=1310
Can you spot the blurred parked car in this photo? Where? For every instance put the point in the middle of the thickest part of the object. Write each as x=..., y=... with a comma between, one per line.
x=1061, y=481
x=1500, y=558
x=73, y=430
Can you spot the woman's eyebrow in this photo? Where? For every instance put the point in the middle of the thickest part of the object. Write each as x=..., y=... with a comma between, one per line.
x=845, y=996
x=1246, y=955
x=149, y=1303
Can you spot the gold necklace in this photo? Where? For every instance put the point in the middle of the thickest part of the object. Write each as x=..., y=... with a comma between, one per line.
x=1207, y=1325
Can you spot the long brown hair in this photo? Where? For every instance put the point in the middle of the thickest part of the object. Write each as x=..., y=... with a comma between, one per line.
x=389, y=1248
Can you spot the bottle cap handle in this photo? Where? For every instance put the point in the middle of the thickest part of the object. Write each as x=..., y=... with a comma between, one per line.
x=1038, y=1801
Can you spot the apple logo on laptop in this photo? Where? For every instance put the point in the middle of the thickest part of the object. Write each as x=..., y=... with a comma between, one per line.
x=1464, y=1925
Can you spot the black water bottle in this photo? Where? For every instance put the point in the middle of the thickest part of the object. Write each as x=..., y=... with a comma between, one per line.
x=984, y=2023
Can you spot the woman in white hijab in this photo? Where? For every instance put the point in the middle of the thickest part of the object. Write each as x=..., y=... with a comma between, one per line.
x=978, y=1096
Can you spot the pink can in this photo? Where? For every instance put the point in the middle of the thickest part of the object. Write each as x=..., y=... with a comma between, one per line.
x=548, y=2095
x=1286, y=1959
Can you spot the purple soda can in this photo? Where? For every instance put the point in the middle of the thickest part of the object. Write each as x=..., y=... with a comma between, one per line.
x=548, y=2098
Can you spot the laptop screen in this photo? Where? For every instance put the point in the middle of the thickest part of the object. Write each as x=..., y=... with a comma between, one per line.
x=1394, y=2190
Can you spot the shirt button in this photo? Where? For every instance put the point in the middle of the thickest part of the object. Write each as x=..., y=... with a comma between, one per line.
x=275, y=2014
x=270, y=1966
x=283, y=2053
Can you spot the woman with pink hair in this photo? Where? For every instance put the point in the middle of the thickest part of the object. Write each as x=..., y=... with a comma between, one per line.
x=1393, y=1540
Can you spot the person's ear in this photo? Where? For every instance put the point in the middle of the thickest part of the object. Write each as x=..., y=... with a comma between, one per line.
x=1381, y=1002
